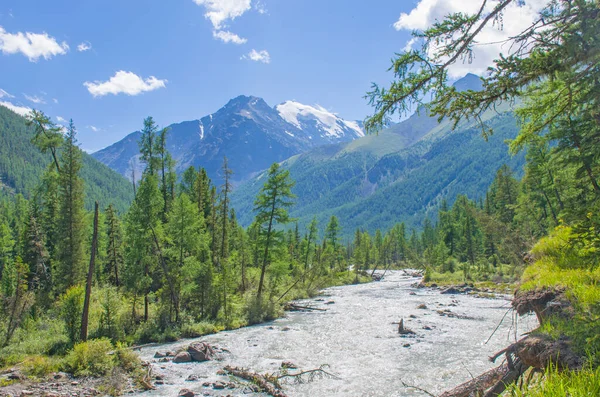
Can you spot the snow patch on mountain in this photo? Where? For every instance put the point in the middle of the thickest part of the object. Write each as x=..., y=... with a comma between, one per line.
x=297, y=113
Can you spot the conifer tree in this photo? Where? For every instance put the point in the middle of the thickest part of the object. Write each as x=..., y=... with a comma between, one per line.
x=114, y=248
x=271, y=206
x=48, y=135
x=70, y=251
x=148, y=144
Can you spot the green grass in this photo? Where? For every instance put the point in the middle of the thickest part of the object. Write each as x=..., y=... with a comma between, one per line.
x=584, y=383
x=561, y=265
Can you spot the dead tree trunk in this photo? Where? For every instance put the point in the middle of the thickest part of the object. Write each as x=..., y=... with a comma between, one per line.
x=88, y=286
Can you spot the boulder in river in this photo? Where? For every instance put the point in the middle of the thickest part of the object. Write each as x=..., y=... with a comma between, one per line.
x=200, y=351
x=182, y=357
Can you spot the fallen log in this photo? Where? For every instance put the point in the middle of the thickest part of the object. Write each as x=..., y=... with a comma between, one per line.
x=310, y=374
x=291, y=307
x=480, y=384
x=266, y=385
x=511, y=376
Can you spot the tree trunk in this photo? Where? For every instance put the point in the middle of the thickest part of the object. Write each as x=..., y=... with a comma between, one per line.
x=88, y=286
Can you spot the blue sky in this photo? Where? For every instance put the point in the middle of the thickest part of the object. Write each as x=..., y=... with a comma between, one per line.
x=174, y=66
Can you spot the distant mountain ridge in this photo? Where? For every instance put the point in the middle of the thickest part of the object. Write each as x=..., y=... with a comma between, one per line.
x=247, y=130
x=401, y=174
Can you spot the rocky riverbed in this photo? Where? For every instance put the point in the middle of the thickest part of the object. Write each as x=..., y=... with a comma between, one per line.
x=356, y=336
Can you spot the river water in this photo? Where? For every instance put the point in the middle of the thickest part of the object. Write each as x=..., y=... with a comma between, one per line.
x=357, y=339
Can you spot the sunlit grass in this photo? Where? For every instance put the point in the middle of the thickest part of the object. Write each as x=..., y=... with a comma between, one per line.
x=584, y=383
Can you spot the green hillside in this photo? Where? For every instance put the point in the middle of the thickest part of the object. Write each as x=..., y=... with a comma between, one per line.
x=401, y=174
x=22, y=165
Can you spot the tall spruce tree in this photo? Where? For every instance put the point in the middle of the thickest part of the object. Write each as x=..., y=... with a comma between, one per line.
x=114, y=247
x=70, y=266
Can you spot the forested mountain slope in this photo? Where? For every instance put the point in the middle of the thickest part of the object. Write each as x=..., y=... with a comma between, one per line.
x=401, y=174
x=22, y=166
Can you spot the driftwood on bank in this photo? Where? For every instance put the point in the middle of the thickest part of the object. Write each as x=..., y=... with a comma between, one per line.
x=267, y=385
x=270, y=383
x=292, y=307
x=479, y=384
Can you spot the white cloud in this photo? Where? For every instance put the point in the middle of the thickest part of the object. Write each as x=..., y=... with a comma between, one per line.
x=22, y=110
x=124, y=83
x=32, y=45
x=4, y=94
x=260, y=7
x=35, y=99
x=61, y=119
x=517, y=16
x=85, y=46
x=93, y=128
x=258, y=56
x=228, y=37
x=221, y=11
x=54, y=100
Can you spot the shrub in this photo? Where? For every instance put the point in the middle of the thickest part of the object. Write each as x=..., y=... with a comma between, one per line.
x=196, y=330
x=127, y=359
x=260, y=311
x=71, y=306
x=39, y=366
x=91, y=358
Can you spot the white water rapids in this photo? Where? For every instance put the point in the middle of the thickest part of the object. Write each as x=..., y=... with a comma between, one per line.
x=356, y=337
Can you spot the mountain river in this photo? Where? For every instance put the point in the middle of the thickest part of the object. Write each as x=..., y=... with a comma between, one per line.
x=358, y=340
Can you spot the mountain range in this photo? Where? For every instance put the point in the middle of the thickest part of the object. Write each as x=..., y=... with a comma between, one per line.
x=401, y=174
x=249, y=132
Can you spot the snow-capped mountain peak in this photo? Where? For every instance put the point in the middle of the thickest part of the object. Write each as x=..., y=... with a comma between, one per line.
x=327, y=124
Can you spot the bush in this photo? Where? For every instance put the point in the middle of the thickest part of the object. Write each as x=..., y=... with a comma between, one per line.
x=261, y=311
x=150, y=331
x=71, y=306
x=196, y=330
x=111, y=325
x=39, y=366
x=91, y=358
x=127, y=359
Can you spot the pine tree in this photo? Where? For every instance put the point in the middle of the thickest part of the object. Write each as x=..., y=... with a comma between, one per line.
x=147, y=144
x=114, y=248
x=17, y=299
x=48, y=135
x=7, y=244
x=36, y=256
x=271, y=206
x=310, y=239
x=167, y=171
x=70, y=251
